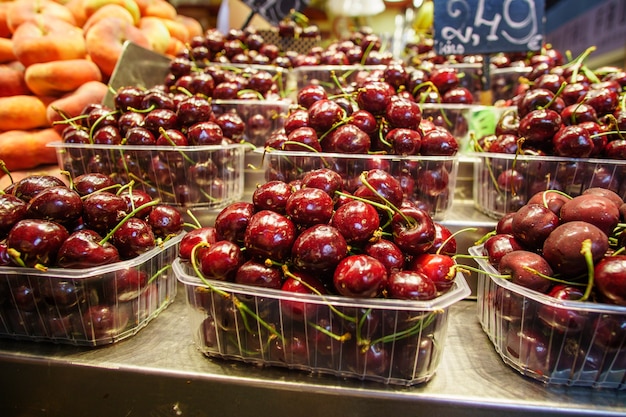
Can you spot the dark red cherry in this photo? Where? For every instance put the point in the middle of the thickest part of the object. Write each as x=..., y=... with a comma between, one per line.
x=269, y=235
x=319, y=248
x=360, y=276
x=35, y=241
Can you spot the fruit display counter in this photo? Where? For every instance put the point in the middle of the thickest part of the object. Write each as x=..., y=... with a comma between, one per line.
x=160, y=372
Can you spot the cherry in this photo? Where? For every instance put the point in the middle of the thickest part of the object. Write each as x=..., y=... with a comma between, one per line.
x=347, y=139
x=568, y=320
x=325, y=179
x=205, y=235
x=232, y=221
x=596, y=209
x=439, y=142
x=360, y=276
x=85, y=249
x=126, y=285
x=374, y=97
x=271, y=195
x=165, y=220
x=530, y=347
x=441, y=269
x=221, y=260
x=103, y=210
x=258, y=274
x=205, y=133
x=104, y=321
x=498, y=245
x=309, y=206
x=12, y=210
x=269, y=235
x=60, y=204
x=232, y=125
x=551, y=199
x=413, y=230
x=88, y=183
x=29, y=186
x=527, y=269
x=445, y=242
x=319, y=248
x=299, y=282
x=133, y=237
x=532, y=224
x=403, y=113
x=388, y=253
x=135, y=199
x=324, y=114
x=411, y=285
x=539, y=126
x=573, y=141
x=35, y=242
x=356, y=220
x=563, y=249
x=309, y=94
x=404, y=141
x=302, y=138
x=609, y=279
x=382, y=186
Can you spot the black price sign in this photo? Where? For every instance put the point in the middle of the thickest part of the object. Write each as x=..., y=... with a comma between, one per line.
x=274, y=11
x=487, y=26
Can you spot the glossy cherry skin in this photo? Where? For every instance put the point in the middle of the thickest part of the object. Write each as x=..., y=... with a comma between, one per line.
x=27, y=187
x=610, y=279
x=356, y=221
x=324, y=114
x=90, y=182
x=592, y=208
x=562, y=249
x=382, y=186
x=325, y=179
x=309, y=206
x=532, y=224
x=388, y=253
x=231, y=222
x=165, y=220
x=413, y=230
x=301, y=283
x=527, y=269
x=498, y=245
x=84, y=249
x=103, y=210
x=269, y=235
x=271, y=195
x=347, y=138
x=12, y=210
x=573, y=141
x=221, y=260
x=568, y=320
x=360, y=276
x=319, y=248
x=441, y=269
x=133, y=237
x=203, y=236
x=36, y=241
x=258, y=274
x=411, y=285
x=60, y=204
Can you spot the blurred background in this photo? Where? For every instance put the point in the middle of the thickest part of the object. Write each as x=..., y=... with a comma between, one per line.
x=571, y=25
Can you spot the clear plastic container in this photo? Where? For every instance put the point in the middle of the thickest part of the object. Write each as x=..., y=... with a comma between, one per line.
x=332, y=77
x=428, y=180
x=91, y=306
x=389, y=341
x=190, y=176
x=503, y=183
x=557, y=342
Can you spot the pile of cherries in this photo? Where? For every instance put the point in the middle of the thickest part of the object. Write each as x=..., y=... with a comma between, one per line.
x=567, y=111
x=310, y=237
x=571, y=249
x=94, y=222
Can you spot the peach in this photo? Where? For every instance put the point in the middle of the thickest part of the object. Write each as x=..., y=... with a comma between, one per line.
x=21, y=11
x=90, y=7
x=77, y=9
x=157, y=33
x=27, y=149
x=56, y=78
x=6, y=50
x=175, y=47
x=109, y=10
x=177, y=29
x=47, y=39
x=105, y=42
x=157, y=8
x=72, y=104
x=193, y=25
x=23, y=112
x=5, y=32
x=12, y=82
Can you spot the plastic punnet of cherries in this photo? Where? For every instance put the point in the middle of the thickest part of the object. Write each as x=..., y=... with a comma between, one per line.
x=570, y=248
x=309, y=237
x=45, y=223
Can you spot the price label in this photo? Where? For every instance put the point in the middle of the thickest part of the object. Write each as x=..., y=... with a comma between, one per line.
x=274, y=11
x=488, y=26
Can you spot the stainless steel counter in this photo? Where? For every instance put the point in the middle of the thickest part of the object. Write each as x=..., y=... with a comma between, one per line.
x=159, y=372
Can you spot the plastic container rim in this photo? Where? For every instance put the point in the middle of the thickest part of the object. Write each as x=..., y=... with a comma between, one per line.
x=357, y=155
x=190, y=148
x=85, y=273
x=459, y=291
x=546, y=158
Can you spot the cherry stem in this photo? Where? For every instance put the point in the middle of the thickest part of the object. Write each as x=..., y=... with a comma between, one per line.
x=409, y=220
x=158, y=273
x=94, y=126
x=242, y=307
x=454, y=235
x=126, y=218
x=417, y=328
x=183, y=154
x=197, y=224
x=586, y=252
x=3, y=168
